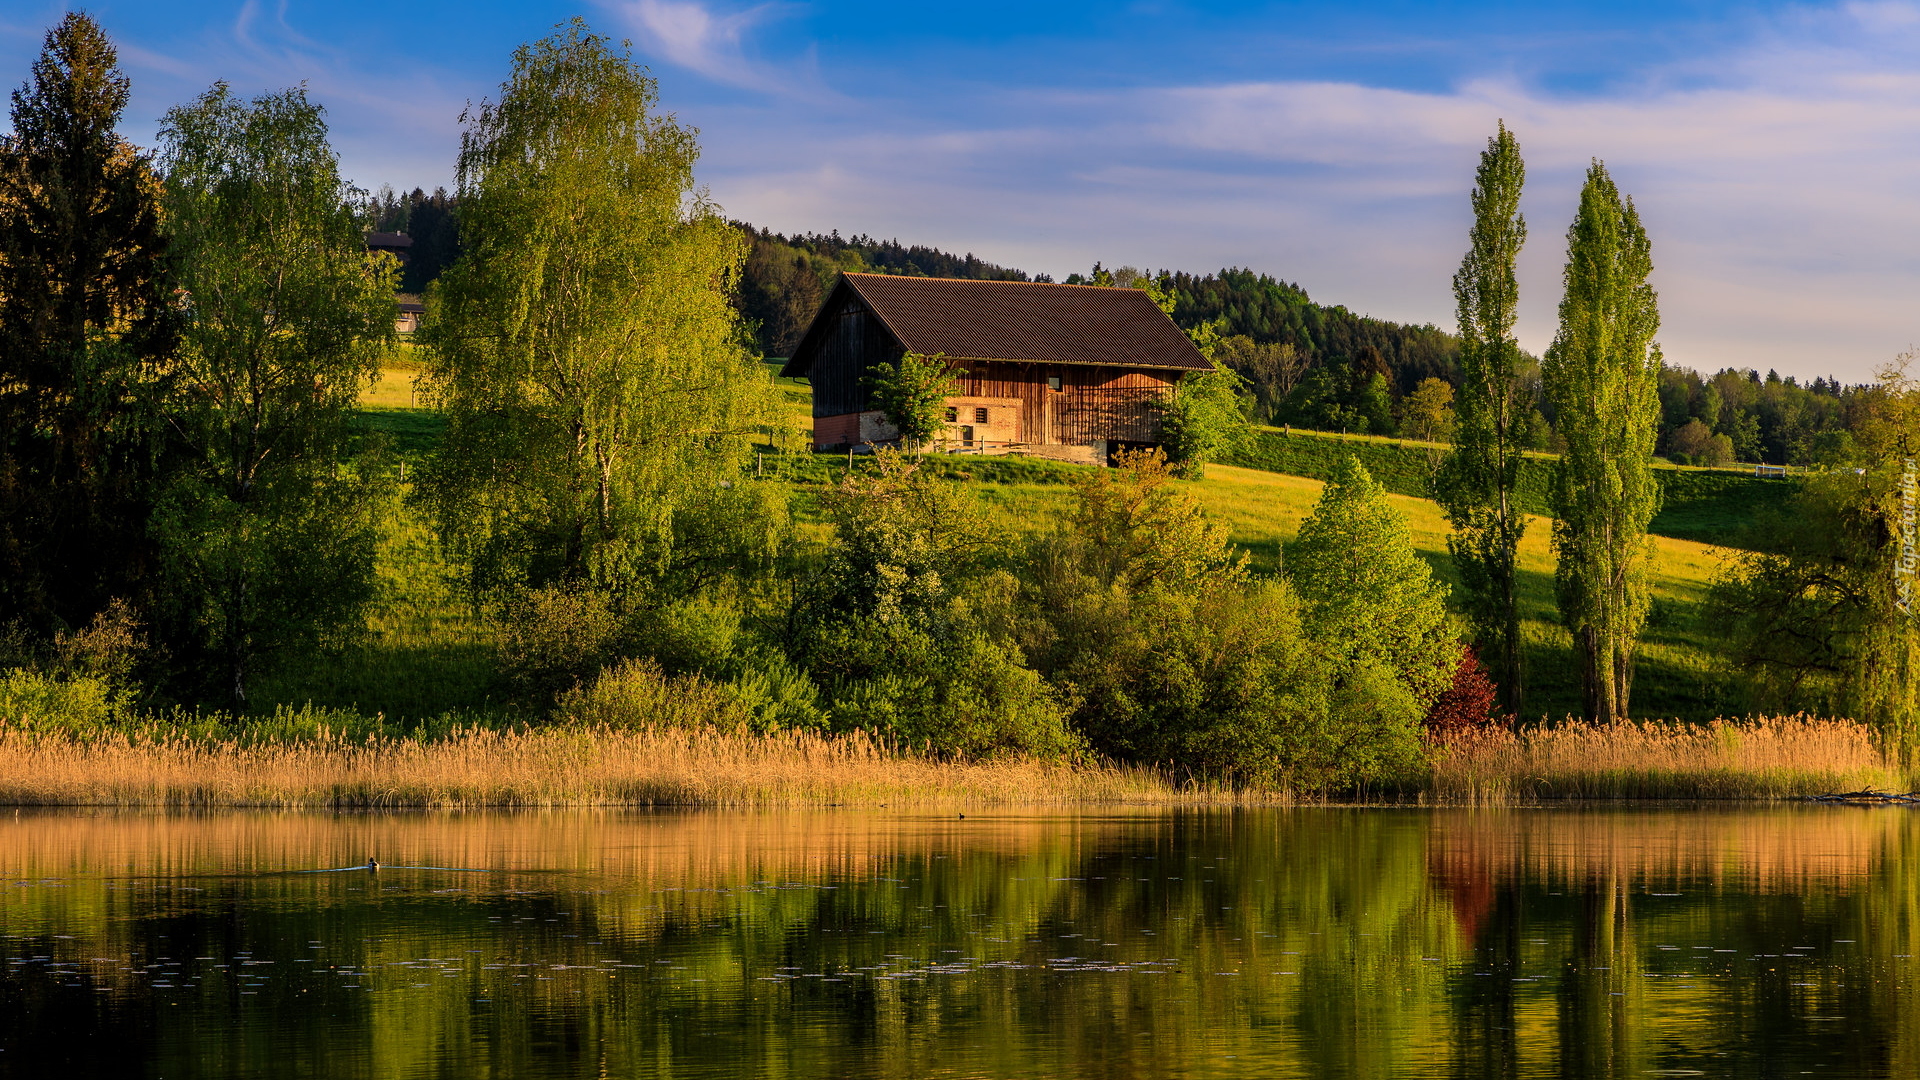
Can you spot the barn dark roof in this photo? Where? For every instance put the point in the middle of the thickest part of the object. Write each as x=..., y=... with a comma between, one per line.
x=1013, y=320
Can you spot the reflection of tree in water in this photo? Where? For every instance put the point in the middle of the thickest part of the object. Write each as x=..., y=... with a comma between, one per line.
x=875, y=944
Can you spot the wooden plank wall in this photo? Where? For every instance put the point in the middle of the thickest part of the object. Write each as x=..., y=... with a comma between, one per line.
x=1093, y=403
x=856, y=341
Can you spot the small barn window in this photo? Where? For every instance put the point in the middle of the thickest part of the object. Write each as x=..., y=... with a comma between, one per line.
x=979, y=416
x=953, y=416
x=1053, y=382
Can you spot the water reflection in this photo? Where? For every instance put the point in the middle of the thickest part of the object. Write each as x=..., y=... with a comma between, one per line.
x=1311, y=942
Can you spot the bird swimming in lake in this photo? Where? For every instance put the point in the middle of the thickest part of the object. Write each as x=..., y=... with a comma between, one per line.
x=373, y=864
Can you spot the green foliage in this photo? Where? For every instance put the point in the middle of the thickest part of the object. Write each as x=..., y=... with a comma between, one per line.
x=636, y=694
x=1271, y=371
x=87, y=328
x=1818, y=621
x=1602, y=376
x=267, y=543
x=36, y=701
x=913, y=393
x=585, y=349
x=1367, y=600
x=888, y=631
x=556, y=637
x=1132, y=528
x=1144, y=616
x=1202, y=419
x=1479, y=484
x=1427, y=413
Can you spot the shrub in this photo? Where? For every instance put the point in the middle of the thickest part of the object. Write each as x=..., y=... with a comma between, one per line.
x=35, y=701
x=637, y=695
x=556, y=638
x=1469, y=704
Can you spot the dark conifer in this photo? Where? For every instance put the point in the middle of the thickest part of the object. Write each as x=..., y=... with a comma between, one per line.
x=86, y=330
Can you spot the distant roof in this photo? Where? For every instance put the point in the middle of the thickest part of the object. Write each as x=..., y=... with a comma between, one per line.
x=389, y=240
x=1015, y=320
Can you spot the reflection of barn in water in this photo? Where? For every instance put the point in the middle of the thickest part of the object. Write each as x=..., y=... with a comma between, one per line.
x=1065, y=371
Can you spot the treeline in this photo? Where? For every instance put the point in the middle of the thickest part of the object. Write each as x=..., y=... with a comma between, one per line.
x=786, y=278
x=430, y=220
x=1308, y=365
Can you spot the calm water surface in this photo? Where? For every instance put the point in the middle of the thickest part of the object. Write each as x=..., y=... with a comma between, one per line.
x=1310, y=942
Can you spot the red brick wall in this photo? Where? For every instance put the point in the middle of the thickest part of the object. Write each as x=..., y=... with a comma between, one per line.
x=835, y=430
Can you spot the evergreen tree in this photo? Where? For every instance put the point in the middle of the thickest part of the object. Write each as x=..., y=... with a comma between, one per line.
x=599, y=400
x=1477, y=483
x=1602, y=375
x=86, y=338
x=268, y=543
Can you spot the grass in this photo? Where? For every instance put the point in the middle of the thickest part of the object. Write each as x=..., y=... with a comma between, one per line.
x=1763, y=758
x=553, y=766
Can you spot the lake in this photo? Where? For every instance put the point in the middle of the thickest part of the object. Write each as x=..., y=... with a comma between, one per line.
x=1311, y=942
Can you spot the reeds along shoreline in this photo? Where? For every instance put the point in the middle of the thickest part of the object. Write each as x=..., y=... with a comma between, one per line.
x=545, y=767
x=576, y=765
x=1760, y=758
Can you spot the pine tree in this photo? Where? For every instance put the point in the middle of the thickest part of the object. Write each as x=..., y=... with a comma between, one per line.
x=87, y=331
x=1477, y=483
x=1602, y=375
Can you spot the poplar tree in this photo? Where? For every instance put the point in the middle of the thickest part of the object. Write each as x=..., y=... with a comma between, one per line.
x=86, y=339
x=1478, y=480
x=1602, y=375
x=599, y=400
x=267, y=542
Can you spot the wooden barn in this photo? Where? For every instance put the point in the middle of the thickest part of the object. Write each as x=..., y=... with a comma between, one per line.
x=1063, y=371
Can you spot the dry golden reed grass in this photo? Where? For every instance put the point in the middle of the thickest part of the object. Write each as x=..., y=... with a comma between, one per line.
x=1760, y=758
x=569, y=766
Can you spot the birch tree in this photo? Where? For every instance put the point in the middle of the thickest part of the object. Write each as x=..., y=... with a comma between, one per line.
x=1602, y=375
x=267, y=541
x=598, y=396
x=1478, y=480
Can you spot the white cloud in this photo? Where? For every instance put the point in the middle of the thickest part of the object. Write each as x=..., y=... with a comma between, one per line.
x=713, y=43
x=1780, y=179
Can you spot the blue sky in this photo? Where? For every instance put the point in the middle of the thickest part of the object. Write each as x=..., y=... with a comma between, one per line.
x=1773, y=149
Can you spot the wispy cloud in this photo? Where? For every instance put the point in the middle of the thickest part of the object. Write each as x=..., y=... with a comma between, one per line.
x=1777, y=176
x=713, y=43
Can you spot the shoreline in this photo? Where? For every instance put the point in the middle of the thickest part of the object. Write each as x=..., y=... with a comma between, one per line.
x=1764, y=760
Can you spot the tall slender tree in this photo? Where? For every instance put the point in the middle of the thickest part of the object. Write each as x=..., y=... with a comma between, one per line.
x=86, y=338
x=267, y=543
x=1478, y=481
x=1602, y=375
x=600, y=401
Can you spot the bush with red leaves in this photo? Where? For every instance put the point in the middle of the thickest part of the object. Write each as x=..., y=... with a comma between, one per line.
x=1470, y=704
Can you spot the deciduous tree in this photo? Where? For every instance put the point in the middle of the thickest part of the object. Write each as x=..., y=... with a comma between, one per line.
x=1491, y=416
x=598, y=391
x=1602, y=375
x=267, y=540
x=912, y=392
